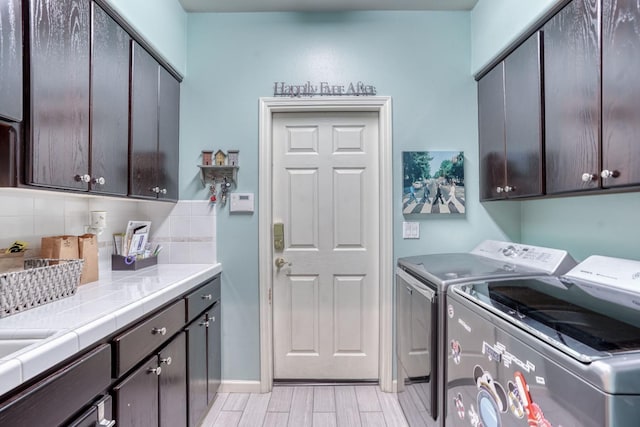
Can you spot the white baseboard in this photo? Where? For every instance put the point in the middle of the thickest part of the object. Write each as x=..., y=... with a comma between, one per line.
x=239, y=386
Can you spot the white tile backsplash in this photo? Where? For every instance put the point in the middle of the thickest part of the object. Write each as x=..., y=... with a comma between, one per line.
x=186, y=230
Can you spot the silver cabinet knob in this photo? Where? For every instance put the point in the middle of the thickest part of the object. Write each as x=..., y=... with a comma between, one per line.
x=166, y=360
x=204, y=323
x=609, y=174
x=83, y=178
x=207, y=297
x=156, y=371
x=99, y=181
x=163, y=191
x=155, y=190
x=213, y=319
x=161, y=331
x=499, y=190
x=588, y=177
x=508, y=189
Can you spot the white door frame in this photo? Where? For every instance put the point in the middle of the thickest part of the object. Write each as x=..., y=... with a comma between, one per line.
x=268, y=106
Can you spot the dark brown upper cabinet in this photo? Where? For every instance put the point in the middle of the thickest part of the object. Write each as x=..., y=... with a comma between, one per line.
x=109, y=116
x=11, y=59
x=79, y=127
x=155, y=102
x=59, y=102
x=491, y=119
x=510, y=125
x=620, y=93
x=572, y=98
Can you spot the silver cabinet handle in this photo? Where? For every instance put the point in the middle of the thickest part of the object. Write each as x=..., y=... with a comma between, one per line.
x=161, y=331
x=588, y=177
x=99, y=181
x=207, y=297
x=609, y=174
x=156, y=371
x=103, y=421
x=86, y=178
x=166, y=360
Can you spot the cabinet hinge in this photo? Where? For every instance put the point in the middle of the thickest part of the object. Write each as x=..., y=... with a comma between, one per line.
x=269, y=296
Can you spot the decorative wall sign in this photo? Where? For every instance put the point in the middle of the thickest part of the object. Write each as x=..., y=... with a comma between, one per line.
x=322, y=89
x=433, y=182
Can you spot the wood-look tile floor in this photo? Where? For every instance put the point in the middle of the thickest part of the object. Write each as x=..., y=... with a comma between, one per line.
x=307, y=406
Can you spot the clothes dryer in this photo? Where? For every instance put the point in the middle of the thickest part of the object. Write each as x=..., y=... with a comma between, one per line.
x=421, y=283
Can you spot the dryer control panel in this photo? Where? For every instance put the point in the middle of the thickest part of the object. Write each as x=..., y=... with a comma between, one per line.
x=545, y=260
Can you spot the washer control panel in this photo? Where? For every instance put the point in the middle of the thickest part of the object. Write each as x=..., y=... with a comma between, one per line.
x=546, y=260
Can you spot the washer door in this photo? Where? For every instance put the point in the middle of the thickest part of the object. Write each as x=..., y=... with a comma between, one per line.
x=488, y=409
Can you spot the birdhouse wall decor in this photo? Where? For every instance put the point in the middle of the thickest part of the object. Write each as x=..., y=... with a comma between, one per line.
x=220, y=158
x=232, y=157
x=207, y=157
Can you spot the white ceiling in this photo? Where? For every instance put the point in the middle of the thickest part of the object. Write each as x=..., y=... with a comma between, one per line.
x=322, y=5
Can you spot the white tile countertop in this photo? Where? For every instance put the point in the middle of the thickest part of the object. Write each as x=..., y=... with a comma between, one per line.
x=96, y=310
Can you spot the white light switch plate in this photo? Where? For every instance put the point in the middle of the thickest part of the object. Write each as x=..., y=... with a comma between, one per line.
x=410, y=230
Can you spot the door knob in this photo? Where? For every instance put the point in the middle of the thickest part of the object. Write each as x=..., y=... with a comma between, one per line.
x=281, y=262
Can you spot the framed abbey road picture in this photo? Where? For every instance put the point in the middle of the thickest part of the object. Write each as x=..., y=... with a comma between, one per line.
x=433, y=182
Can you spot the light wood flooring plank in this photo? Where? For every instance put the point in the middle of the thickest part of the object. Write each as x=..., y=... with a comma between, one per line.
x=236, y=402
x=280, y=399
x=347, y=413
x=301, y=414
x=391, y=409
x=255, y=411
x=324, y=419
x=228, y=419
x=324, y=399
x=368, y=399
x=210, y=418
x=276, y=419
x=372, y=419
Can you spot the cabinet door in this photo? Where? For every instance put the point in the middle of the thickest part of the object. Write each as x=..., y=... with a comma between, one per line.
x=523, y=125
x=621, y=92
x=168, y=135
x=173, y=383
x=197, y=369
x=572, y=98
x=144, y=124
x=491, y=117
x=109, y=104
x=59, y=64
x=11, y=59
x=137, y=397
x=214, y=352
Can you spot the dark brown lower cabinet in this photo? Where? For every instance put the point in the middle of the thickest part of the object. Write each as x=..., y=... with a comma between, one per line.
x=203, y=342
x=56, y=398
x=173, y=383
x=214, y=354
x=154, y=394
x=197, y=371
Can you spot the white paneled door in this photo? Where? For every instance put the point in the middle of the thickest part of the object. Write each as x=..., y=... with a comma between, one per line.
x=326, y=294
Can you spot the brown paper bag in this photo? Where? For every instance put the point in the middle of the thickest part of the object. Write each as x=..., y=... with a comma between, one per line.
x=88, y=250
x=59, y=247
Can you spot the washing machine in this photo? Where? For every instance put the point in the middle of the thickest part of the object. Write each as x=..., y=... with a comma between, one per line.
x=421, y=283
x=546, y=351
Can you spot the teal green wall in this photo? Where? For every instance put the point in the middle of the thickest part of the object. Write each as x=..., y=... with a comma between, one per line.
x=163, y=23
x=420, y=59
x=584, y=225
x=496, y=23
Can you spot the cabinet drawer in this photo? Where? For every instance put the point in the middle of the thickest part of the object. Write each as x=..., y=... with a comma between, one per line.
x=139, y=341
x=57, y=397
x=202, y=298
